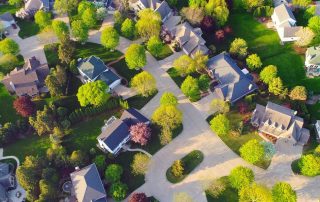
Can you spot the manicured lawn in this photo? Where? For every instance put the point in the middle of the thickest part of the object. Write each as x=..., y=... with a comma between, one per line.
x=230, y=194
x=7, y=69
x=175, y=76
x=139, y=101
x=166, y=52
x=8, y=8
x=190, y=162
x=88, y=49
x=314, y=110
x=7, y=112
x=27, y=28
x=51, y=52
x=123, y=70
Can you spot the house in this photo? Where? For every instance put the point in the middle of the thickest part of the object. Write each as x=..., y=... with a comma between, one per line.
x=37, y=5
x=190, y=39
x=233, y=83
x=276, y=121
x=161, y=7
x=93, y=68
x=28, y=80
x=312, y=62
x=7, y=20
x=87, y=185
x=116, y=131
x=7, y=181
x=285, y=23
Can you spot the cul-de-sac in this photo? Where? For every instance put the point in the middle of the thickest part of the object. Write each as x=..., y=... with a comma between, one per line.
x=159, y=100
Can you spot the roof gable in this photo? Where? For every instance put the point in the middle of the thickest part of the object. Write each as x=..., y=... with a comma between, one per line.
x=284, y=14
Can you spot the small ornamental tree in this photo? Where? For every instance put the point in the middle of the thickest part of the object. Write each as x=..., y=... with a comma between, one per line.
x=197, y=3
x=218, y=9
x=239, y=48
x=240, y=177
x=80, y=31
x=305, y=36
x=207, y=24
x=254, y=62
x=220, y=124
x=60, y=28
x=216, y=187
x=167, y=117
x=309, y=165
x=140, y=133
x=100, y=161
x=128, y=28
x=252, y=151
x=93, y=93
x=118, y=191
x=298, y=93
x=200, y=61
x=9, y=46
x=113, y=173
x=177, y=168
x=314, y=24
x=138, y=197
x=255, y=192
x=283, y=191
x=53, y=85
x=276, y=86
x=135, y=56
x=42, y=18
x=155, y=46
x=84, y=5
x=148, y=24
x=184, y=65
x=268, y=74
x=190, y=88
x=109, y=38
x=193, y=15
x=89, y=17
x=220, y=106
x=144, y=83
x=204, y=82
x=101, y=12
x=140, y=164
x=24, y=106
x=66, y=49
x=269, y=149
x=168, y=98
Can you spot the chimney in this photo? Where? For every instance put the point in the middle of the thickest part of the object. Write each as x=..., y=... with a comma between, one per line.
x=77, y=168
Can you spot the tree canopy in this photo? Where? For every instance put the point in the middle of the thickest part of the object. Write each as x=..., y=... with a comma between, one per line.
x=118, y=191
x=167, y=117
x=240, y=177
x=268, y=73
x=128, y=28
x=252, y=151
x=93, y=93
x=24, y=106
x=60, y=28
x=9, y=46
x=276, y=86
x=155, y=45
x=239, y=48
x=254, y=62
x=168, y=98
x=220, y=106
x=80, y=31
x=255, y=192
x=135, y=56
x=298, y=93
x=42, y=18
x=109, y=38
x=190, y=88
x=218, y=9
x=89, y=17
x=113, y=173
x=148, y=24
x=314, y=24
x=184, y=65
x=283, y=191
x=144, y=83
x=65, y=6
x=220, y=124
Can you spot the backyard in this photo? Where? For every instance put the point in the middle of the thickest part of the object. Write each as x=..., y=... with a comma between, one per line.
x=7, y=113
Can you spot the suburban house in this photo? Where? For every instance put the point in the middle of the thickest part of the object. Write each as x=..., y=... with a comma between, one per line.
x=190, y=39
x=7, y=20
x=285, y=23
x=116, y=133
x=161, y=7
x=87, y=185
x=232, y=82
x=93, y=68
x=32, y=6
x=28, y=80
x=312, y=62
x=275, y=121
x=7, y=181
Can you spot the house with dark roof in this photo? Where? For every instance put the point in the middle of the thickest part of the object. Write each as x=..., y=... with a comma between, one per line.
x=116, y=133
x=7, y=20
x=87, y=185
x=312, y=62
x=93, y=68
x=7, y=181
x=233, y=83
x=285, y=23
x=280, y=122
x=28, y=80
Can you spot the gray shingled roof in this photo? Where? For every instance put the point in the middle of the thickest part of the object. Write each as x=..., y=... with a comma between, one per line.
x=163, y=9
x=92, y=67
x=291, y=31
x=87, y=185
x=6, y=17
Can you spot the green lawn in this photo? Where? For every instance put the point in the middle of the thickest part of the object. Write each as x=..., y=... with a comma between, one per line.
x=51, y=52
x=7, y=112
x=230, y=194
x=123, y=70
x=166, y=52
x=27, y=28
x=8, y=8
x=175, y=76
x=5, y=69
x=189, y=162
x=138, y=101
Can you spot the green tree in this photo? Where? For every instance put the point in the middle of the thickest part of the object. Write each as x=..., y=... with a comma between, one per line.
x=204, y=82
x=314, y=24
x=309, y=165
x=84, y=5
x=155, y=46
x=144, y=83
x=60, y=28
x=216, y=187
x=100, y=161
x=109, y=38
x=149, y=23
x=255, y=192
x=66, y=49
x=93, y=93
x=42, y=19
x=16, y=3
x=190, y=88
x=184, y=65
x=65, y=6
x=168, y=98
x=218, y=9
x=9, y=46
x=78, y=158
x=283, y=191
x=113, y=173
x=220, y=124
x=276, y=86
x=220, y=106
x=239, y=48
x=310, y=12
x=118, y=191
x=47, y=191
x=252, y=151
x=60, y=74
x=197, y=3
x=301, y=3
x=102, y=12
x=240, y=177
x=128, y=28
x=200, y=61
x=53, y=85
x=140, y=164
x=43, y=122
x=268, y=74
x=118, y=18
x=167, y=117
x=177, y=168
x=80, y=31
x=89, y=17
x=193, y=15
x=298, y=93
x=8, y=62
x=135, y=56
x=254, y=62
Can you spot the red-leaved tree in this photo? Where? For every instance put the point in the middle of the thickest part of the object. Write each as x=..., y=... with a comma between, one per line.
x=140, y=133
x=24, y=106
x=207, y=24
x=138, y=197
x=219, y=35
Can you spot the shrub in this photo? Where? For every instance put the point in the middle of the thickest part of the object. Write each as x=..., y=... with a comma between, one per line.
x=239, y=48
x=190, y=88
x=254, y=62
x=240, y=177
x=113, y=173
x=309, y=165
x=220, y=124
x=216, y=187
x=220, y=106
x=128, y=28
x=140, y=164
x=138, y=197
x=204, y=82
x=298, y=93
x=283, y=191
x=100, y=162
x=255, y=192
x=118, y=191
x=140, y=133
x=155, y=45
x=8, y=62
x=252, y=151
x=168, y=98
x=268, y=73
x=177, y=168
